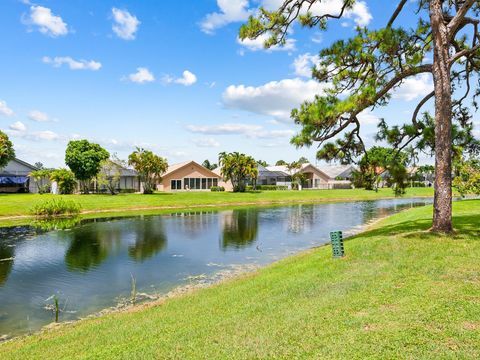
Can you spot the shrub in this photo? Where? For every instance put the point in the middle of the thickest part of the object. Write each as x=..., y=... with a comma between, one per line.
x=127, y=191
x=56, y=207
x=65, y=180
x=217, y=188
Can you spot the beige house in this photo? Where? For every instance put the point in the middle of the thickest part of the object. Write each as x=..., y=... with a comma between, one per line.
x=189, y=176
x=314, y=177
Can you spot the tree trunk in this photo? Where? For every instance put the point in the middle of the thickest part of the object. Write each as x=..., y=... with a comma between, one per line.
x=442, y=212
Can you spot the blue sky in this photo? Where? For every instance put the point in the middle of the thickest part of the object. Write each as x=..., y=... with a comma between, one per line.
x=168, y=76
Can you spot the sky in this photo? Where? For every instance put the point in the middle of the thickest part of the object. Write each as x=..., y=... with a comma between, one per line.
x=169, y=76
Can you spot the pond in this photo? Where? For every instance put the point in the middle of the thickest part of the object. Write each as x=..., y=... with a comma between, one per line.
x=90, y=266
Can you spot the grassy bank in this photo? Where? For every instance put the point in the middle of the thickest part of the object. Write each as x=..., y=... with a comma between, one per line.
x=20, y=204
x=400, y=293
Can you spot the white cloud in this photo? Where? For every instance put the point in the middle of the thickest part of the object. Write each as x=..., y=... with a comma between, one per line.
x=276, y=98
x=47, y=23
x=18, y=126
x=248, y=130
x=230, y=11
x=38, y=116
x=366, y=117
x=411, y=88
x=258, y=44
x=359, y=12
x=4, y=109
x=142, y=76
x=238, y=11
x=44, y=135
x=224, y=129
x=206, y=142
x=72, y=63
x=317, y=38
x=303, y=64
x=188, y=78
x=19, y=129
x=126, y=24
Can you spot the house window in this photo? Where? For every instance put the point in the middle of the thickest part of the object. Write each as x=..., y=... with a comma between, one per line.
x=176, y=184
x=199, y=183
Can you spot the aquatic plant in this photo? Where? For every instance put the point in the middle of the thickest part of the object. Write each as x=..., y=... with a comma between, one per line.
x=133, y=293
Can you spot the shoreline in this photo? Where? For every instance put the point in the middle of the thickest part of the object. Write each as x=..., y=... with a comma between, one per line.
x=19, y=220
x=231, y=272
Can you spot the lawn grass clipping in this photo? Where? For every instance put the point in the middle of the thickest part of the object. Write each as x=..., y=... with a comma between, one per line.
x=400, y=292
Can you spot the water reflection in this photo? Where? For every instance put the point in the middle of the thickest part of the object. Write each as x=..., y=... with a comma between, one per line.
x=301, y=218
x=87, y=249
x=150, y=239
x=240, y=228
x=63, y=223
x=7, y=253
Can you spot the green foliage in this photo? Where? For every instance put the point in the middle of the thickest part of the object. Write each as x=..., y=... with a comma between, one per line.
x=262, y=162
x=378, y=162
x=85, y=159
x=65, y=180
x=56, y=207
x=42, y=180
x=217, y=189
x=298, y=178
x=208, y=165
x=109, y=175
x=280, y=163
x=7, y=153
x=468, y=179
x=59, y=223
x=362, y=72
x=303, y=160
x=150, y=168
x=238, y=168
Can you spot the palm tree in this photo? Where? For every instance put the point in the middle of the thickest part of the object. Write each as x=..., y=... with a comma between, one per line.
x=238, y=168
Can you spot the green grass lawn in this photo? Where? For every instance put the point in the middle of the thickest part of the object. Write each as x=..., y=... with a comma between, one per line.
x=401, y=292
x=20, y=204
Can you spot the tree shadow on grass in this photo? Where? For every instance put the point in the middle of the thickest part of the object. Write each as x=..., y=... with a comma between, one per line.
x=464, y=226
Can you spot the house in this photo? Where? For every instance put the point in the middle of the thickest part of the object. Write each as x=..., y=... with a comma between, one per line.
x=14, y=178
x=339, y=172
x=190, y=176
x=314, y=177
x=129, y=181
x=269, y=177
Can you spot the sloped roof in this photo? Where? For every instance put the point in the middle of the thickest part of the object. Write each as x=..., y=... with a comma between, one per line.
x=124, y=171
x=266, y=172
x=175, y=167
x=9, y=168
x=285, y=171
x=334, y=171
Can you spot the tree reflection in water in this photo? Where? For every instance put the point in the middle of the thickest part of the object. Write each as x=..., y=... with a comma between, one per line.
x=240, y=228
x=150, y=238
x=86, y=250
x=7, y=253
